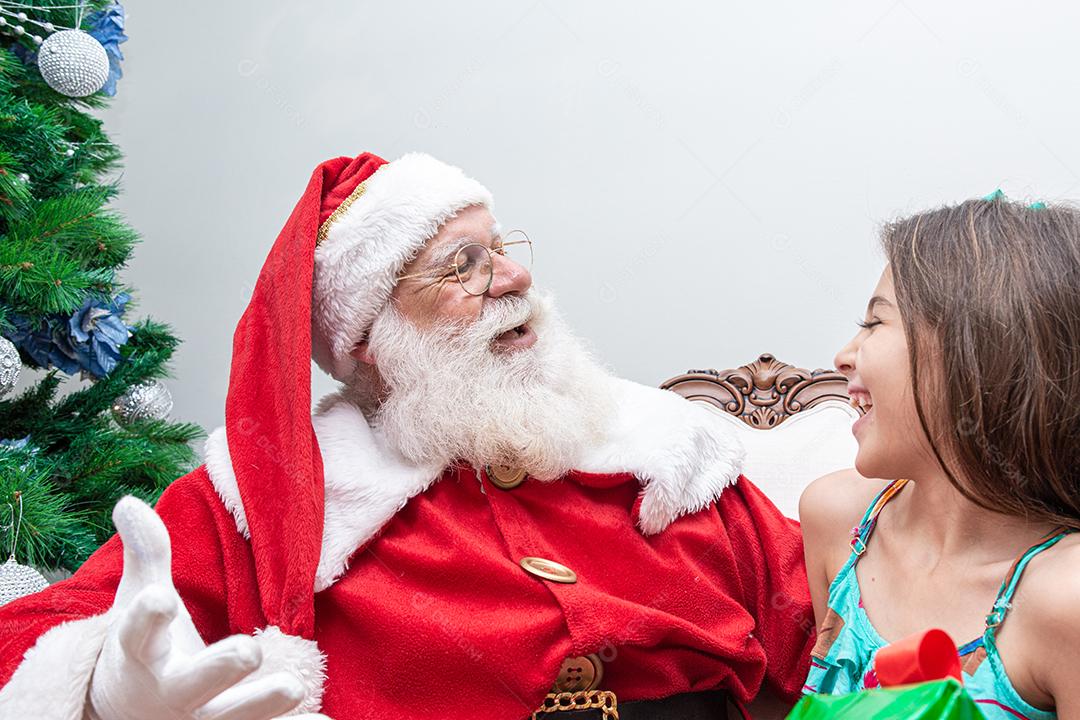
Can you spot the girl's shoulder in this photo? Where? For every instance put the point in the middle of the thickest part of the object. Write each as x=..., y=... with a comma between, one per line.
x=1045, y=625
x=835, y=503
x=828, y=509
x=1050, y=589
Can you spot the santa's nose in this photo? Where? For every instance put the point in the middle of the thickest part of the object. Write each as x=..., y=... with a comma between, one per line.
x=508, y=277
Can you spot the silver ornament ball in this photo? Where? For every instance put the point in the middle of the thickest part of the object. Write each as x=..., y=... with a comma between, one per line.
x=73, y=63
x=18, y=580
x=148, y=400
x=10, y=366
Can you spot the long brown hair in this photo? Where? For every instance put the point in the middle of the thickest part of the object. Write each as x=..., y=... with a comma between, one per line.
x=989, y=292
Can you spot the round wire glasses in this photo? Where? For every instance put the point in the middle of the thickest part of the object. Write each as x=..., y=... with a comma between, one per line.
x=474, y=263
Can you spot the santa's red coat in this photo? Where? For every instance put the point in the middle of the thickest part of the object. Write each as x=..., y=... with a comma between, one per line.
x=435, y=617
x=422, y=608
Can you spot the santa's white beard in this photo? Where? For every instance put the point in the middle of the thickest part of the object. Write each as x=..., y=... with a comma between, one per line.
x=448, y=395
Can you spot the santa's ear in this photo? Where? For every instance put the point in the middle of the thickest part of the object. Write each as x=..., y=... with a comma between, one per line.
x=362, y=352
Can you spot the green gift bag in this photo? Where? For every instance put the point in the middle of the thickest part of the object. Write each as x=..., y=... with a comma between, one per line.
x=940, y=700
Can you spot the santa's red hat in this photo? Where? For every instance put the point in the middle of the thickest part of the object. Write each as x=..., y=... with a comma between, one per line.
x=329, y=273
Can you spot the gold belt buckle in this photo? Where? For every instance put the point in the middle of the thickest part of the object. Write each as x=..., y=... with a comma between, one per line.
x=602, y=700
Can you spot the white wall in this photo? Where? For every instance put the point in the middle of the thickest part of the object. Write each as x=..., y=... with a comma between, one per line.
x=639, y=144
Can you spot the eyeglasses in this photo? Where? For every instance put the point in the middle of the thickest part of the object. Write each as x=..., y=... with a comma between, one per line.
x=474, y=264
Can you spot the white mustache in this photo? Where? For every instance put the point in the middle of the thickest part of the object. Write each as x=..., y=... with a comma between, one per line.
x=501, y=314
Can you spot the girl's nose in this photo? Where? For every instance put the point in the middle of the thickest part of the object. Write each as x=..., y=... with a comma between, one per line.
x=844, y=361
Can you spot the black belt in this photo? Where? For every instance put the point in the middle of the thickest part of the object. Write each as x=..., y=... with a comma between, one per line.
x=704, y=705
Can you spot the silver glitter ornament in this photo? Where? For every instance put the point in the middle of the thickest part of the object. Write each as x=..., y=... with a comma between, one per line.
x=148, y=400
x=18, y=580
x=10, y=366
x=73, y=63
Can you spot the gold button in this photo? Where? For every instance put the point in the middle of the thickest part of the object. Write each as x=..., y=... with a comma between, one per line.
x=579, y=674
x=505, y=477
x=548, y=570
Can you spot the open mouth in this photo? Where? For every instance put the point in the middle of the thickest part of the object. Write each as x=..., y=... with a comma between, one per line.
x=517, y=337
x=861, y=400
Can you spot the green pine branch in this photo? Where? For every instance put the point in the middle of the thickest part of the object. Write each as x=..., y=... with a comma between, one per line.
x=62, y=451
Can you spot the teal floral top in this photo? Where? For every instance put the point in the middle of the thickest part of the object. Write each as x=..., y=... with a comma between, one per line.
x=843, y=658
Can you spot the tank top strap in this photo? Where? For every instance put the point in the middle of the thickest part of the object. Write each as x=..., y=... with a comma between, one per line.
x=860, y=534
x=1003, y=602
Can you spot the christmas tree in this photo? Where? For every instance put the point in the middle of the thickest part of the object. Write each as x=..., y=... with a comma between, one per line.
x=94, y=426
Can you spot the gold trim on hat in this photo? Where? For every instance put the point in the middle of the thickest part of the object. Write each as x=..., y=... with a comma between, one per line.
x=324, y=229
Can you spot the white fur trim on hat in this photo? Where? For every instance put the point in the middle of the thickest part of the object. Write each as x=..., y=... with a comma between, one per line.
x=403, y=205
x=296, y=655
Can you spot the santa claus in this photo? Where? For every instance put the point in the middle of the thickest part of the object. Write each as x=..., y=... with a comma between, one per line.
x=481, y=523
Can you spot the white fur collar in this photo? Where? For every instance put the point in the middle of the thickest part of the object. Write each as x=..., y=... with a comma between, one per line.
x=681, y=452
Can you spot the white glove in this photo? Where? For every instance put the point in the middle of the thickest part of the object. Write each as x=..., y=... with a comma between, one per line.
x=154, y=665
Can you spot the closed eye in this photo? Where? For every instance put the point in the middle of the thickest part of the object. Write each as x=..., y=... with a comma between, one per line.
x=867, y=325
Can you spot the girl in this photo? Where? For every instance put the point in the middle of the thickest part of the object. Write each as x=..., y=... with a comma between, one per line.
x=968, y=365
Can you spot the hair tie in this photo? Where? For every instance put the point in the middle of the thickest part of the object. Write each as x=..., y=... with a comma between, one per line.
x=999, y=195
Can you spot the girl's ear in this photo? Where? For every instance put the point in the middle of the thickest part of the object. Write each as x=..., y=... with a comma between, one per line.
x=362, y=352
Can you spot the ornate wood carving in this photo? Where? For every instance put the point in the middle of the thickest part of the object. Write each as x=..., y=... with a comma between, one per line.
x=763, y=393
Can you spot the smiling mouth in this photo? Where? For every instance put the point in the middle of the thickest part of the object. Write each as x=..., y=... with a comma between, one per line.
x=862, y=401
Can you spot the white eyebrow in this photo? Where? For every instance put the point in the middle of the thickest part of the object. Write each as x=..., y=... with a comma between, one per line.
x=444, y=256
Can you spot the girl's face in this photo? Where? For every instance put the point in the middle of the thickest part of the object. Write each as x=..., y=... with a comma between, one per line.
x=875, y=362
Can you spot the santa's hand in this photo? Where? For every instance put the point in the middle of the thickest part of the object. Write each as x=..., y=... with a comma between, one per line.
x=154, y=665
